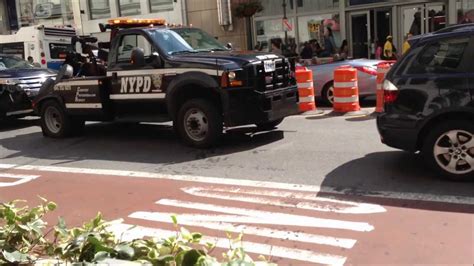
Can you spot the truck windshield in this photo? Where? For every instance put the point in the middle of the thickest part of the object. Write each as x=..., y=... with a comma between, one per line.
x=170, y=41
x=174, y=41
x=200, y=40
x=7, y=62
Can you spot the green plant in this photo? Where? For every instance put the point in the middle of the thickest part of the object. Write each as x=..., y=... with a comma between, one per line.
x=22, y=241
x=21, y=231
x=248, y=9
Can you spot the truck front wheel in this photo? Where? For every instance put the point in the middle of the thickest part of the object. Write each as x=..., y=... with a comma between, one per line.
x=199, y=123
x=56, y=123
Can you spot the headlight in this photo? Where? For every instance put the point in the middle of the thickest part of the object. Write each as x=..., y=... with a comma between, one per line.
x=231, y=75
x=8, y=82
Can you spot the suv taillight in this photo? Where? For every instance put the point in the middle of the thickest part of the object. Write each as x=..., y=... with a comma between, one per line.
x=390, y=92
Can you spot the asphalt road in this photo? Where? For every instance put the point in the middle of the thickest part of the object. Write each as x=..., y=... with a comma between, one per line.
x=338, y=152
x=320, y=189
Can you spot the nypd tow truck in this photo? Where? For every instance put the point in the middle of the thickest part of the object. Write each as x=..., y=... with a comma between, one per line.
x=158, y=73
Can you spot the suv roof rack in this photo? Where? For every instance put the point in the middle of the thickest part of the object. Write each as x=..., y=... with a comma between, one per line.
x=458, y=27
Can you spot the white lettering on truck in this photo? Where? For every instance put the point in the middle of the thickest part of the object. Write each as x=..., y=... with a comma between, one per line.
x=135, y=84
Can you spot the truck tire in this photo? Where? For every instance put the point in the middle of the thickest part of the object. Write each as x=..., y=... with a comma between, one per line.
x=269, y=125
x=55, y=123
x=449, y=149
x=199, y=123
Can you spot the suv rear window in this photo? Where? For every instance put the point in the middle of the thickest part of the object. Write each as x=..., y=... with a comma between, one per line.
x=441, y=57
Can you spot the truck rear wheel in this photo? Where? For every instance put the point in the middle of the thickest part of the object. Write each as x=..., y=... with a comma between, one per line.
x=199, y=123
x=56, y=123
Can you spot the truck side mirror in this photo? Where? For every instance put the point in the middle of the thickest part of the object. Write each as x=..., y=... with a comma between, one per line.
x=156, y=60
x=138, y=57
x=65, y=72
x=229, y=46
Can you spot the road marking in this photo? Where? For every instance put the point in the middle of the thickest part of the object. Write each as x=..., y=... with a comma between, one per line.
x=131, y=232
x=215, y=223
x=240, y=215
x=233, y=194
x=251, y=183
x=21, y=179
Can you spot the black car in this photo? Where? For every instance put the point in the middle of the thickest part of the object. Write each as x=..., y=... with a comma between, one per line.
x=19, y=84
x=429, y=104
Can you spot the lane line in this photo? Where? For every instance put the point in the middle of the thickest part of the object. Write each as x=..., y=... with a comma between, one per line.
x=131, y=232
x=258, y=196
x=17, y=176
x=191, y=220
x=241, y=215
x=250, y=183
x=21, y=179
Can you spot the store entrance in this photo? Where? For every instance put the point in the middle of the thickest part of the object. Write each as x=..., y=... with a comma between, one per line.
x=369, y=29
x=360, y=32
x=381, y=23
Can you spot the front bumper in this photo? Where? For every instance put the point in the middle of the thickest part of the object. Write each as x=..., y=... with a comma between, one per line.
x=244, y=106
x=396, y=136
x=14, y=102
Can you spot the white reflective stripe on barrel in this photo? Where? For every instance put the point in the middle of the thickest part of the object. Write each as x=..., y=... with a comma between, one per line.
x=346, y=99
x=379, y=87
x=305, y=85
x=309, y=99
x=349, y=84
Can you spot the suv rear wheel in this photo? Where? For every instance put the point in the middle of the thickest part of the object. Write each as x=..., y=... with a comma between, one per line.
x=199, y=123
x=449, y=148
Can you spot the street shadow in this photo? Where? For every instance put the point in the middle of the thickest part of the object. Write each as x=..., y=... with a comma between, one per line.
x=397, y=173
x=9, y=124
x=368, y=117
x=144, y=143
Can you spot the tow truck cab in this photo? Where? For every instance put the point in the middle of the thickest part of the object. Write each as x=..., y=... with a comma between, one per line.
x=180, y=74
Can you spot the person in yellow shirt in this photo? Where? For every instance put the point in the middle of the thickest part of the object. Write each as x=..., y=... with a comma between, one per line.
x=388, y=49
x=406, y=45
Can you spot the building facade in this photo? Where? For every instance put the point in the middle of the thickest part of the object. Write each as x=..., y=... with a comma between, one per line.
x=15, y=14
x=363, y=23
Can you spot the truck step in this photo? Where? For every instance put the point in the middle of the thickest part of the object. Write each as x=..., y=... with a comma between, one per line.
x=142, y=118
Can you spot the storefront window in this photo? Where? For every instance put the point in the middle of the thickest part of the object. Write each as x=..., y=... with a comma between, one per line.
x=47, y=12
x=436, y=15
x=311, y=5
x=312, y=28
x=465, y=11
x=275, y=7
x=99, y=9
x=158, y=5
x=365, y=2
x=271, y=31
x=129, y=7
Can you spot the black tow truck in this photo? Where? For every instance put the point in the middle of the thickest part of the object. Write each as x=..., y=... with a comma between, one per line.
x=153, y=72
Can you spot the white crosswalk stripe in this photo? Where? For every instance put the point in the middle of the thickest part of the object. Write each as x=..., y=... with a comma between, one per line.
x=257, y=222
x=130, y=232
x=265, y=217
x=260, y=196
x=217, y=223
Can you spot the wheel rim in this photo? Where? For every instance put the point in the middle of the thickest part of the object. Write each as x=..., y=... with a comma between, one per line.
x=53, y=120
x=330, y=94
x=454, y=152
x=196, y=124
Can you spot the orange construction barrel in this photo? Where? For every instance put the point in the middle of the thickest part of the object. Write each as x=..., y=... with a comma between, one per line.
x=304, y=79
x=346, y=90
